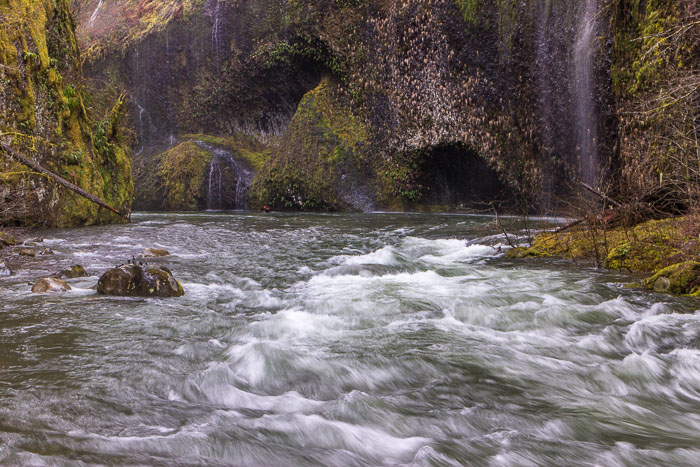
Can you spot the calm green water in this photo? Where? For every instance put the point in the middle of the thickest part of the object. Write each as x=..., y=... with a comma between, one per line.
x=343, y=340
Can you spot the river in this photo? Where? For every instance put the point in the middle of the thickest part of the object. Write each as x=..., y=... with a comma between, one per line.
x=365, y=339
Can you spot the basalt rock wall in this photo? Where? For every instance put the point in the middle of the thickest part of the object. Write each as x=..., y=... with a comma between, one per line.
x=352, y=98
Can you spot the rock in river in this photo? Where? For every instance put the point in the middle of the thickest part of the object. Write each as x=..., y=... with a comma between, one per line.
x=74, y=272
x=4, y=270
x=133, y=280
x=154, y=252
x=27, y=252
x=50, y=284
x=7, y=240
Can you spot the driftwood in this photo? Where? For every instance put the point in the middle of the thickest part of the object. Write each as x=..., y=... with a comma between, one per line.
x=60, y=180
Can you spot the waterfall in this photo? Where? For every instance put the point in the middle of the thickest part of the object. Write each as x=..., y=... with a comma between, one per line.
x=229, y=180
x=214, y=9
x=94, y=13
x=216, y=30
x=145, y=132
x=584, y=89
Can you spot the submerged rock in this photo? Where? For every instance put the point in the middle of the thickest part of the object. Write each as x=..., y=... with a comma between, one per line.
x=50, y=284
x=74, y=272
x=27, y=252
x=7, y=240
x=4, y=270
x=154, y=252
x=133, y=280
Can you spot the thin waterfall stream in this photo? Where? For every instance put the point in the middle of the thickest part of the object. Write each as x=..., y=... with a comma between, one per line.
x=584, y=90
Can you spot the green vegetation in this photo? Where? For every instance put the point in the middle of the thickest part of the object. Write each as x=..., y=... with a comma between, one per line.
x=324, y=141
x=663, y=247
x=44, y=116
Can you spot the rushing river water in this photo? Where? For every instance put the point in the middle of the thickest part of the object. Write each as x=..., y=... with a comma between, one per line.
x=342, y=340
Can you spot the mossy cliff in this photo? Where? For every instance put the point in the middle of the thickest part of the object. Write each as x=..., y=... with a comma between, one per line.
x=489, y=83
x=47, y=114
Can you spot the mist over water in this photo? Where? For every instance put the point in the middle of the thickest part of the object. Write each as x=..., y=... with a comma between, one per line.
x=377, y=339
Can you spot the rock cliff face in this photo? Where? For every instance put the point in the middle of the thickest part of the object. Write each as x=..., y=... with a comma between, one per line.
x=48, y=115
x=362, y=104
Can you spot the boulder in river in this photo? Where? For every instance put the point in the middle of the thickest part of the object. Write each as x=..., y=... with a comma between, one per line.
x=74, y=272
x=4, y=270
x=50, y=284
x=46, y=252
x=27, y=252
x=154, y=253
x=133, y=280
x=7, y=240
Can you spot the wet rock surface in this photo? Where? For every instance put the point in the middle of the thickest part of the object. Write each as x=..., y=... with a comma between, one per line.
x=50, y=285
x=7, y=239
x=136, y=280
x=4, y=270
x=74, y=272
x=154, y=253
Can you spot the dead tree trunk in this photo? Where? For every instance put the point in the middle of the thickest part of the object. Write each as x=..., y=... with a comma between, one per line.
x=61, y=181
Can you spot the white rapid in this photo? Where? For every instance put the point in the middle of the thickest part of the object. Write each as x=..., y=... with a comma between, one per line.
x=358, y=339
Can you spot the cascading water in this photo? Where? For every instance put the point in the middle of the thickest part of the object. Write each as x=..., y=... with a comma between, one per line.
x=228, y=182
x=584, y=89
x=94, y=13
x=214, y=9
x=146, y=127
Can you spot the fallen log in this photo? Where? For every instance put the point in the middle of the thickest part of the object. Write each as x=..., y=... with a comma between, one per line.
x=60, y=180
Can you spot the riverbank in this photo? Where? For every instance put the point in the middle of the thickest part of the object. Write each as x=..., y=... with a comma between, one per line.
x=666, y=253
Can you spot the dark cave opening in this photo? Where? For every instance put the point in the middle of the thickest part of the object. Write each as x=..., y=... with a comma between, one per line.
x=454, y=174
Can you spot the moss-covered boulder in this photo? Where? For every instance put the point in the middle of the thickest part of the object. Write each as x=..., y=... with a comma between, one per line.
x=205, y=172
x=522, y=252
x=321, y=163
x=134, y=280
x=74, y=272
x=682, y=279
x=7, y=240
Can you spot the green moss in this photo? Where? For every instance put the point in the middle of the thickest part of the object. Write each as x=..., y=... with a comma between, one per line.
x=325, y=140
x=51, y=123
x=643, y=248
x=239, y=145
x=182, y=170
x=681, y=279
